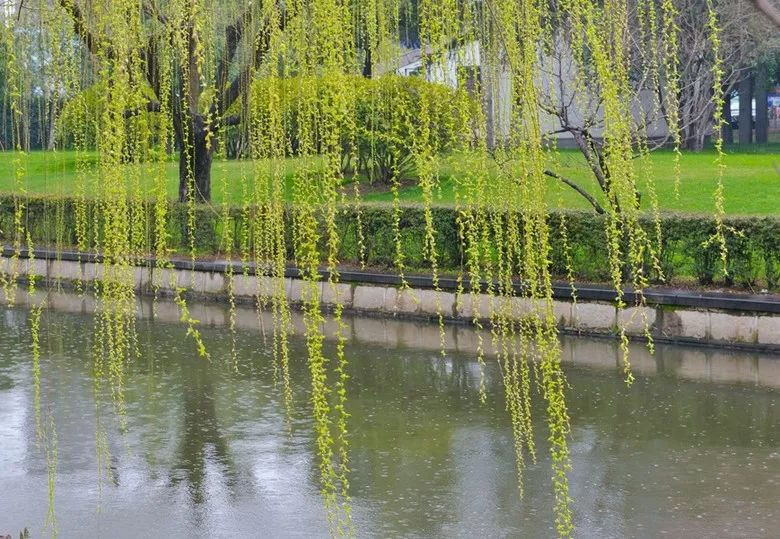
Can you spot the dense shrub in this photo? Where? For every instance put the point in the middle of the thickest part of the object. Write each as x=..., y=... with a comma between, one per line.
x=754, y=242
x=378, y=136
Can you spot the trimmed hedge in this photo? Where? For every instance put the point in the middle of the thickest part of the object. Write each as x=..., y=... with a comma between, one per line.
x=753, y=242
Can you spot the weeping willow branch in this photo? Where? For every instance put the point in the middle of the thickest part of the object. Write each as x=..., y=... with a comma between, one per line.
x=290, y=73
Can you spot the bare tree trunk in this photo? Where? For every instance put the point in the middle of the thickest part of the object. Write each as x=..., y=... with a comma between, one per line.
x=490, y=104
x=772, y=13
x=727, y=132
x=694, y=141
x=697, y=116
x=762, y=107
x=51, y=142
x=746, y=110
x=23, y=131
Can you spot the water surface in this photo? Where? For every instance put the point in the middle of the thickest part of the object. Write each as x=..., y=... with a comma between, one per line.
x=691, y=450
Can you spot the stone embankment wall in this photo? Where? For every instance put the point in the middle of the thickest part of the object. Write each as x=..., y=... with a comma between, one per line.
x=725, y=320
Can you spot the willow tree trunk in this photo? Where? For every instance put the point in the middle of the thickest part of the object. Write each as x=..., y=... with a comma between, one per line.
x=195, y=165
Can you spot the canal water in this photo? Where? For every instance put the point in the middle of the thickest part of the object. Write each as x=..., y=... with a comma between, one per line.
x=691, y=450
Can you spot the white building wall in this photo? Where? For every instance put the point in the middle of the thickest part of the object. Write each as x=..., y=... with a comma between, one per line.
x=498, y=95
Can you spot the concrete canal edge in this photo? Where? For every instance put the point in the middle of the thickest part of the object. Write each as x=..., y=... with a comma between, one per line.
x=740, y=321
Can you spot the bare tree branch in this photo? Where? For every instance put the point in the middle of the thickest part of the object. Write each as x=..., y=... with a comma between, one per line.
x=772, y=13
x=233, y=92
x=231, y=120
x=152, y=106
x=80, y=26
x=234, y=33
x=150, y=8
x=587, y=196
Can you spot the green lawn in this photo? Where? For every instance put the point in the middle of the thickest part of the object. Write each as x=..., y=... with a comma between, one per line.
x=752, y=181
x=56, y=173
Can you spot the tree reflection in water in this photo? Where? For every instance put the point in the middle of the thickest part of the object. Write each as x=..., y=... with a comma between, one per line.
x=202, y=444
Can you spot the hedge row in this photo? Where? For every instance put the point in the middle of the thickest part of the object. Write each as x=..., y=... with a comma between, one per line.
x=753, y=242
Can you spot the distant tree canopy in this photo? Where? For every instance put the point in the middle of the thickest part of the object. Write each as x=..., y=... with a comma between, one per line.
x=747, y=38
x=213, y=56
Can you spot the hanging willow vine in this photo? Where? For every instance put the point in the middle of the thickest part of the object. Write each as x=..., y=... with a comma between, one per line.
x=311, y=85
